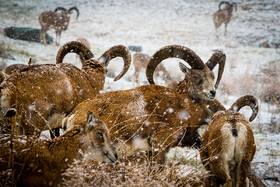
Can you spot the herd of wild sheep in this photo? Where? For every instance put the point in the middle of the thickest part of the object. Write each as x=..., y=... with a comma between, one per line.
x=96, y=125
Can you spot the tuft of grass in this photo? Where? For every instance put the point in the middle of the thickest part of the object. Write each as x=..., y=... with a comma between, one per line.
x=131, y=171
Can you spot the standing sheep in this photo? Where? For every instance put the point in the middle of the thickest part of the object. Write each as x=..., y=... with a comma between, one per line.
x=223, y=16
x=229, y=145
x=55, y=20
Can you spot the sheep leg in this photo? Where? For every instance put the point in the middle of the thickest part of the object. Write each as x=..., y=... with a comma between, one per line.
x=59, y=36
x=241, y=174
x=225, y=29
x=220, y=168
x=136, y=77
x=56, y=37
x=191, y=138
x=216, y=31
x=43, y=36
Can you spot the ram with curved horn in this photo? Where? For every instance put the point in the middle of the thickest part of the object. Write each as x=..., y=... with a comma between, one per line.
x=198, y=82
x=153, y=116
x=43, y=94
x=229, y=145
x=223, y=15
x=55, y=20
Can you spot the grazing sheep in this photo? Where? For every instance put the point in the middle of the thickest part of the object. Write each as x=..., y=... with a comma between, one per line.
x=83, y=41
x=14, y=68
x=55, y=20
x=228, y=144
x=223, y=16
x=44, y=93
x=140, y=61
x=38, y=162
x=157, y=117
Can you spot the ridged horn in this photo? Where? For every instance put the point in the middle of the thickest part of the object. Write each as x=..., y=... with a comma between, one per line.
x=60, y=8
x=117, y=51
x=235, y=6
x=217, y=58
x=76, y=9
x=175, y=51
x=247, y=100
x=73, y=47
x=223, y=2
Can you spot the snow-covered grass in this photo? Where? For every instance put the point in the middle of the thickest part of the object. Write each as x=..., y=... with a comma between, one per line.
x=250, y=68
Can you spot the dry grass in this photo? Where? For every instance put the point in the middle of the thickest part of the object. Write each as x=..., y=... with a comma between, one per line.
x=183, y=169
x=263, y=84
x=136, y=171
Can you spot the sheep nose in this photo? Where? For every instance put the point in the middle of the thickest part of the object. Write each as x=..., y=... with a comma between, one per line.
x=213, y=93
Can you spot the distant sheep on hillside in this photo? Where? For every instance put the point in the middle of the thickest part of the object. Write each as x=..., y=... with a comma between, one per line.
x=58, y=21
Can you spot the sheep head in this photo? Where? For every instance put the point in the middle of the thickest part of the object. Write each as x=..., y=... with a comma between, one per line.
x=231, y=5
x=97, y=138
x=199, y=79
x=64, y=16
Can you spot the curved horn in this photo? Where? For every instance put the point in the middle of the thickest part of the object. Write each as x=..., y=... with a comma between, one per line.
x=247, y=100
x=217, y=58
x=235, y=6
x=60, y=8
x=117, y=51
x=73, y=47
x=74, y=8
x=175, y=51
x=223, y=2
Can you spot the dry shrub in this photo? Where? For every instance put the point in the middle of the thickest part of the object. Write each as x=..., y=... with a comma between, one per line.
x=271, y=82
x=128, y=171
x=265, y=85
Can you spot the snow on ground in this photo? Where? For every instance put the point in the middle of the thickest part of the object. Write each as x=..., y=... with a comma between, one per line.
x=154, y=24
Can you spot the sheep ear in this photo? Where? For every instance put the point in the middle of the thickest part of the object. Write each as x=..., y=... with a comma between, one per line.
x=90, y=119
x=185, y=69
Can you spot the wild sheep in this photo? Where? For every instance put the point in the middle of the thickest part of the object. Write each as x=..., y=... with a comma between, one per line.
x=83, y=41
x=228, y=144
x=14, y=68
x=44, y=93
x=153, y=116
x=140, y=61
x=223, y=16
x=40, y=162
x=5, y=73
x=55, y=20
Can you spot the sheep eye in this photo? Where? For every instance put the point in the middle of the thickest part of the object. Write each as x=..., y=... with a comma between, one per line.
x=198, y=79
x=99, y=134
